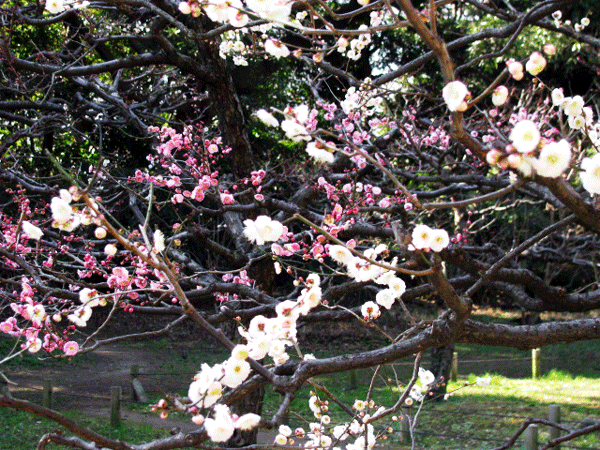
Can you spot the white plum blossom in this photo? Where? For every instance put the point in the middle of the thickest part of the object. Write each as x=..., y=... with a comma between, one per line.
x=267, y=118
x=549, y=49
x=86, y=295
x=557, y=97
x=289, y=309
x=310, y=298
x=262, y=230
x=198, y=419
x=55, y=6
x=421, y=237
x=370, y=310
x=535, y=64
x=217, y=10
x=276, y=48
x=573, y=106
x=236, y=372
x=300, y=113
x=426, y=377
x=159, y=241
x=577, y=122
x=525, y=136
x=34, y=345
x=240, y=352
x=454, y=94
x=500, y=95
x=426, y=238
x=221, y=428
x=319, y=153
x=62, y=212
x=554, y=159
x=184, y=8
x=31, y=231
x=362, y=270
x=340, y=254
x=280, y=439
x=525, y=165
x=588, y=114
x=590, y=177
x=416, y=393
x=247, y=421
x=205, y=394
x=285, y=430
x=80, y=316
x=397, y=285
x=238, y=19
x=259, y=347
x=110, y=249
x=273, y=10
x=340, y=432
x=515, y=68
x=100, y=233
x=295, y=131
x=36, y=314
x=439, y=240
x=386, y=298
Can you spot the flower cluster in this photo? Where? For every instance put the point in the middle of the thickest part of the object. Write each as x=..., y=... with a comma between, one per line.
x=265, y=337
x=369, y=268
x=65, y=216
x=365, y=101
x=321, y=436
x=578, y=27
x=551, y=161
x=426, y=238
x=38, y=331
x=579, y=117
x=352, y=49
x=223, y=424
x=58, y=6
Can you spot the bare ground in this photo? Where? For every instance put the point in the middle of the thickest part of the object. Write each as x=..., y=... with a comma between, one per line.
x=84, y=384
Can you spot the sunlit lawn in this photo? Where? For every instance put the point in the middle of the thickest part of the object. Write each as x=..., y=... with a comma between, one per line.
x=473, y=417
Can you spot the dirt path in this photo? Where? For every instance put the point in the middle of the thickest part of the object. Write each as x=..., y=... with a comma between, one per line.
x=84, y=383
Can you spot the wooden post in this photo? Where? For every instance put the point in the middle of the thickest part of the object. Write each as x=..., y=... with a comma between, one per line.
x=535, y=363
x=353, y=380
x=531, y=437
x=115, y=406
x=405, y=425
x=47, y=394
x=454, y=368
x=138, y=392
x=554, y=416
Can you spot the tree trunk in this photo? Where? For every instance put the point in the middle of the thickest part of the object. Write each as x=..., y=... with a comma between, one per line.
x=228, y=109
x=441, y=363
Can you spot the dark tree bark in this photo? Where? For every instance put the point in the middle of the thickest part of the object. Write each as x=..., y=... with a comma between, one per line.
x=441, y=363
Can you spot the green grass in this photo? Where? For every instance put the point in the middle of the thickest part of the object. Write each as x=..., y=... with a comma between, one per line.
x=7, y=347
x=472, y=414
x=22, y=431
